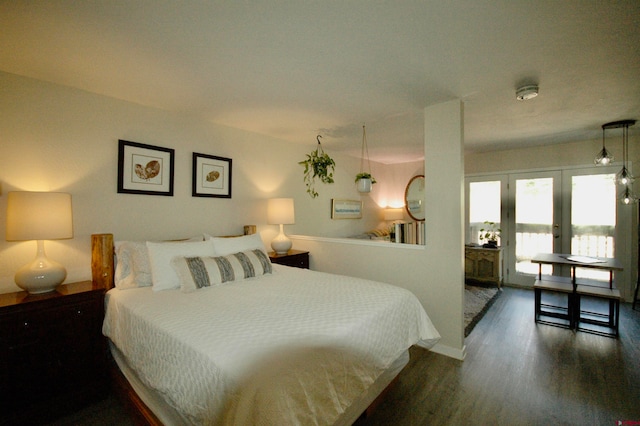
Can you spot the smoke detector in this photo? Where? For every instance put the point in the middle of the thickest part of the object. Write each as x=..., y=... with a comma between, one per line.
x=525, y=93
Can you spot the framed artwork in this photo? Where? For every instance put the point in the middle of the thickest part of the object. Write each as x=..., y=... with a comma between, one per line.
x=145, y=169
x=211, y=176
x=346, y=209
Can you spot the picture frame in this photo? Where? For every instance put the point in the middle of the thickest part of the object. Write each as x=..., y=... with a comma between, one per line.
x=346, y=209
x=145, y=169
x=211, y=176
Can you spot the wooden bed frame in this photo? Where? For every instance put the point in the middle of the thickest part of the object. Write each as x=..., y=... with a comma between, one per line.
x=103, y=271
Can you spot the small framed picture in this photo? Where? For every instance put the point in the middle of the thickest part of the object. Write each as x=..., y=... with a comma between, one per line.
x=346, y=209
x=211, y=176
x=145, y=169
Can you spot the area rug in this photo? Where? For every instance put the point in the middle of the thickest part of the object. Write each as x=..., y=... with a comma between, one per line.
x=477, y=300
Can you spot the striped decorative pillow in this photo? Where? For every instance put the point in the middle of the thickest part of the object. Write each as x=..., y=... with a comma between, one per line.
x=199, y=272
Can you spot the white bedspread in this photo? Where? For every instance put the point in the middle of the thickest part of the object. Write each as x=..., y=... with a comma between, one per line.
x=294, y=347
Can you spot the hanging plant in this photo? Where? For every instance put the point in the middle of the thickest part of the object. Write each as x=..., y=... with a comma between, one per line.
x=365, y=176
x=364, y=180
x=318, y=165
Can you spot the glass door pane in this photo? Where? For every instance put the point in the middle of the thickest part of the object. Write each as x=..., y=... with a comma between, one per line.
x=593, y=219
x=484, y=205
x=536, y=223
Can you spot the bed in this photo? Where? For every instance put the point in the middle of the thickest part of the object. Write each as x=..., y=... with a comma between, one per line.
x=216, y=334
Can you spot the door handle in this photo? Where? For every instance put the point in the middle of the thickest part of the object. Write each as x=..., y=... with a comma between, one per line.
x=556, y=234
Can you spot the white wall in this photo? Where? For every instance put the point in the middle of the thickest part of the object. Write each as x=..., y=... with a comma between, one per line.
x=547, y=156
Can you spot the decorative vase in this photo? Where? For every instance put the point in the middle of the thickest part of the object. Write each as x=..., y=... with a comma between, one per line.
x=490, y=244
x=364, y=185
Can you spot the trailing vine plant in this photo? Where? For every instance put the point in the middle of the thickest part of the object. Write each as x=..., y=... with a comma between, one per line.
x=318, y=165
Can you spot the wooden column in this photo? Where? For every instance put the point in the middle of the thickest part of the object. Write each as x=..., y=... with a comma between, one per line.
x=102, y=260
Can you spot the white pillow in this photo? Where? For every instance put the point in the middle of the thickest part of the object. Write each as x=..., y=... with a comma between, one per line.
x=132, y=265
x=160, y=254
x=230, y=245
x=198, y=272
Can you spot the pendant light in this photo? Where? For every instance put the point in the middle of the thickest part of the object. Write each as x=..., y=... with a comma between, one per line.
x=626, y=197
x=623, y=177
x=603, y=158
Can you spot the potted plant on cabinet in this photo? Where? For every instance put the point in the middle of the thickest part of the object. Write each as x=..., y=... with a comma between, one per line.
x=318, y=165
x=491, y=233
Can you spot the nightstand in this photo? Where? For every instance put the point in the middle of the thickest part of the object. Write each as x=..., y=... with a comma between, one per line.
x=296, y=258
x=52, y=352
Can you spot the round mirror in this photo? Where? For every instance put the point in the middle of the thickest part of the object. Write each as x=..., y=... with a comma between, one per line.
x=414, y=197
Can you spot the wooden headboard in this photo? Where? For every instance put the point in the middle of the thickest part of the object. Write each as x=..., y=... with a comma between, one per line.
x=102, y=260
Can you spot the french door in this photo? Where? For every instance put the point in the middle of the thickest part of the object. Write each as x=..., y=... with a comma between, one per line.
x=562, y=211
x=534, y=218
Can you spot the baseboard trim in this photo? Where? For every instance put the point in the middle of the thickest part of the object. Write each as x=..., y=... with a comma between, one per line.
x=445, y=350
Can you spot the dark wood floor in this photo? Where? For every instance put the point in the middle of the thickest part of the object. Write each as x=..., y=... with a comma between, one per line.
x=515, y=373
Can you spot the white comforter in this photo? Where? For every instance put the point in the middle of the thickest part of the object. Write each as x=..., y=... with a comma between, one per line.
x=294, y=347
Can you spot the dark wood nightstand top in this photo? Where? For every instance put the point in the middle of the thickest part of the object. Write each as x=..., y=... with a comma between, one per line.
x=18, y=297
x=295, y=258
x=274, y=255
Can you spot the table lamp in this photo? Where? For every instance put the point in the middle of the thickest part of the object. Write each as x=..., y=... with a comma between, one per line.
x=39, y=216
x=393, y=214
x=280, y=211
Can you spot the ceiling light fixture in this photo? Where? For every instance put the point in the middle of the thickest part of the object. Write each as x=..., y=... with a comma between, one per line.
x=525, y=93
x=623, y=177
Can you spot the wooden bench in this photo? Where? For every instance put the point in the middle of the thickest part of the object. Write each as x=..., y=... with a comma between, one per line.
x=610, y=321
x=545, y=311
x=592, y=289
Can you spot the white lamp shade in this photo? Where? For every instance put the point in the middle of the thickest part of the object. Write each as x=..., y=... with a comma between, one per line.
x=39, y=216
x=280, y=211
x=393, y=213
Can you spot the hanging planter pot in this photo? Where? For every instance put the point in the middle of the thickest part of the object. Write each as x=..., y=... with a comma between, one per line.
x=364, y=180
x=364, y=185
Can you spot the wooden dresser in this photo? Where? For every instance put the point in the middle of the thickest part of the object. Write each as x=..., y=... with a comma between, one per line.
x=52, y=352
x=483, y=264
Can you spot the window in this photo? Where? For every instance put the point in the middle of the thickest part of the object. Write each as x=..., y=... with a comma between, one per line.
x=484, y=205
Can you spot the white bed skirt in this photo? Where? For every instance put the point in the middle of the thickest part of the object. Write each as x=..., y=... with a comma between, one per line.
x=171, y=417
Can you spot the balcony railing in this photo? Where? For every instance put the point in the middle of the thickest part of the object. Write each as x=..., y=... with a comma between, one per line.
x=590, y=240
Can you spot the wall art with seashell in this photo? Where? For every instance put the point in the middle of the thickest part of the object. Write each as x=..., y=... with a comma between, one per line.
x=211, y=176
x=145, y=169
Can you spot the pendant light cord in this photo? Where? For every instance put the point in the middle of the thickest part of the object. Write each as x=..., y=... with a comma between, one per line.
x=625, y=146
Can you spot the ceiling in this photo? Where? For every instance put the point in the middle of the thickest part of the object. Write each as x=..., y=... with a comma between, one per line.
x=294, y=69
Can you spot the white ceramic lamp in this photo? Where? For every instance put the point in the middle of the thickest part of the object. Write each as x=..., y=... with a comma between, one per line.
x=280, y=211
x=39, y=216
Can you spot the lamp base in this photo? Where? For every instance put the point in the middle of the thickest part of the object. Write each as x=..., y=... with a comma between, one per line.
x=281, y=244
x=42, y=275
